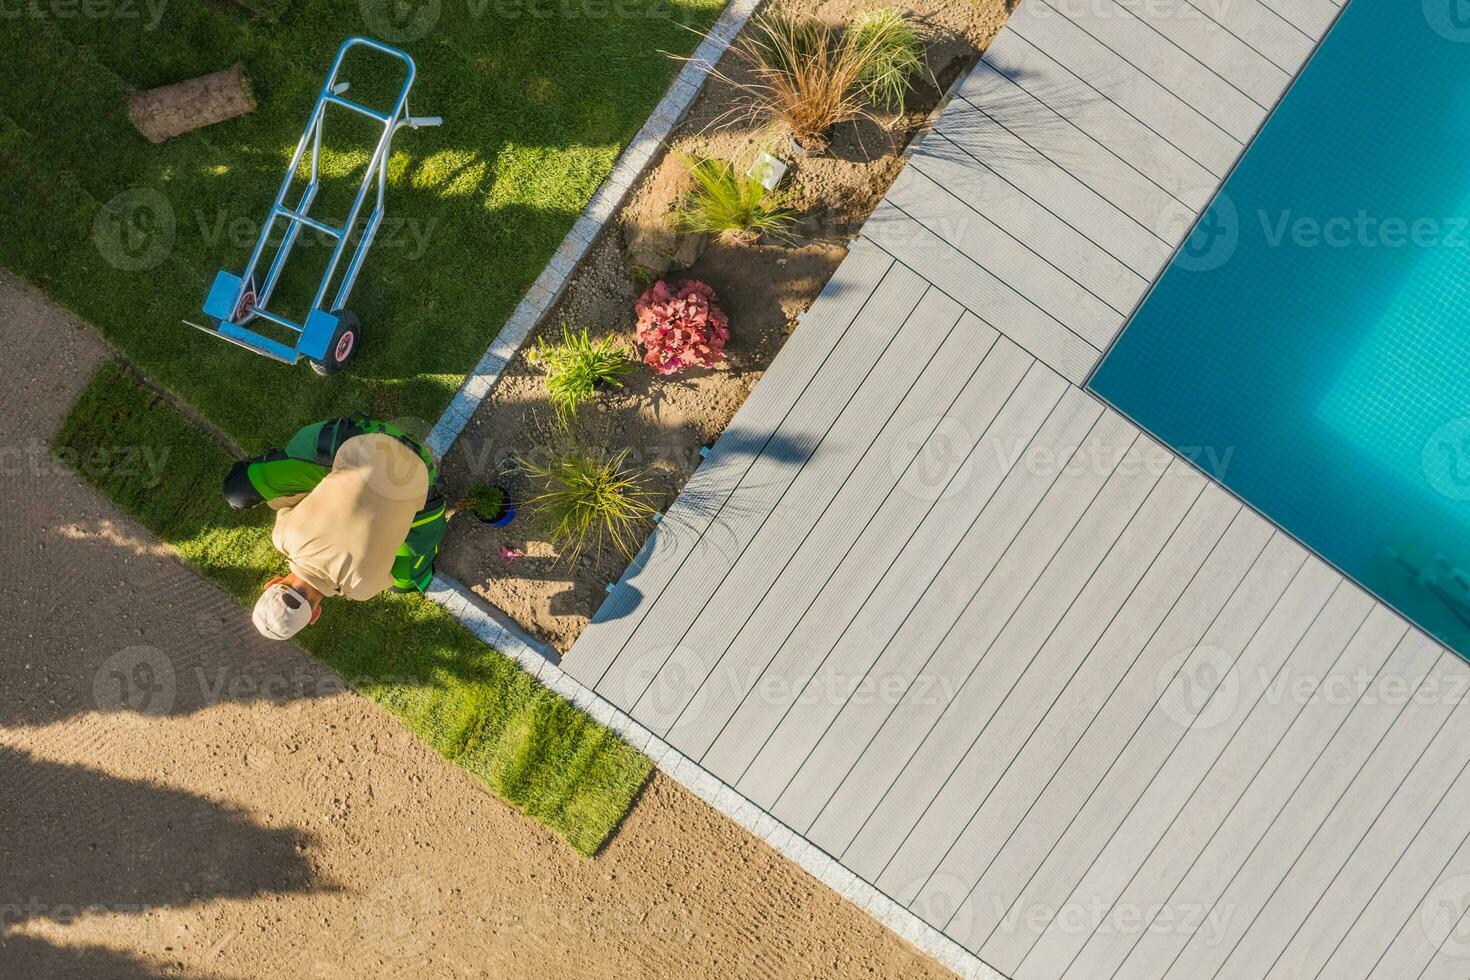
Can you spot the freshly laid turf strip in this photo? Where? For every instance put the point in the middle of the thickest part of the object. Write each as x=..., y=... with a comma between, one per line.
x=538, y=97
x=472, y=704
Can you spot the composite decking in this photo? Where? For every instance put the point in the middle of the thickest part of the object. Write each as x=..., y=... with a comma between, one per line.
x=961, y=626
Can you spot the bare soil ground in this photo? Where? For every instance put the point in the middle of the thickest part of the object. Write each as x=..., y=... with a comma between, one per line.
x=665, y=421
x=181, y=798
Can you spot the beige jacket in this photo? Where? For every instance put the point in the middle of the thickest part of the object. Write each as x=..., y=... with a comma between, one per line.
x=343, y=535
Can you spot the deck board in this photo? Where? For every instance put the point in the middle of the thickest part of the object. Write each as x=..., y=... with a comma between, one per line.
x=949, y=632
x=947, y=618
x=991, y=502
x=983, y=653
x=1240, y=718
x=1308, y=842
x=1332, y=741
x=1264, y=762
x=866, y=517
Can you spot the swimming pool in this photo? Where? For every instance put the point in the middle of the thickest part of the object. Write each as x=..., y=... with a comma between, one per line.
x=1309, y=345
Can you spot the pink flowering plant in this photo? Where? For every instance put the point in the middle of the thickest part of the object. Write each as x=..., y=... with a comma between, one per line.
x=681, y=328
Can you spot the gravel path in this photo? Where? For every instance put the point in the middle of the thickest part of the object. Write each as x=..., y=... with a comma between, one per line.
x=180, y=798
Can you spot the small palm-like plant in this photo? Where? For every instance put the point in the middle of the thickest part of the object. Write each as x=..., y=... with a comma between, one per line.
x=577, y=366
x=589, y=497
x=893, y=54
x=733, y=205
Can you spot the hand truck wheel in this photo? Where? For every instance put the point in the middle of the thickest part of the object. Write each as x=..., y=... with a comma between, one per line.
x=343, y=346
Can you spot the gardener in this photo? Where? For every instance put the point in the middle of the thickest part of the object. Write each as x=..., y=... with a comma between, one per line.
x=358, y=510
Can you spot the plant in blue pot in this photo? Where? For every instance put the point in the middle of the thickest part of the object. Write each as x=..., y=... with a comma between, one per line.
x=491, y=504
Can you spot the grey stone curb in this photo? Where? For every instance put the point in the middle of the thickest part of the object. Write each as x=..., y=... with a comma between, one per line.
x=548, y=287
x=498, y=630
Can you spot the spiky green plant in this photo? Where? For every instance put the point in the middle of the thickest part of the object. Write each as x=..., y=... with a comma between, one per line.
x=731, y=204
x=577, y=365
x=892, y=55
x=585, y=495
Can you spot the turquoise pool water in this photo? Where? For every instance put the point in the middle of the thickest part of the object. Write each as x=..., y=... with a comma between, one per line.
x=1310, y=344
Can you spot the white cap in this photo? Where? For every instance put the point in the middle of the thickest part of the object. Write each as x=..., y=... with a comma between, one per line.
x=281, y=612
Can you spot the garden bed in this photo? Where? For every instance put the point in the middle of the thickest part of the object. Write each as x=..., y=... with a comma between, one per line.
x=663, y=421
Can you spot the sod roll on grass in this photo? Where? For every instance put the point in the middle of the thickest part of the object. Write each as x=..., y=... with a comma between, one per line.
x=472, y=704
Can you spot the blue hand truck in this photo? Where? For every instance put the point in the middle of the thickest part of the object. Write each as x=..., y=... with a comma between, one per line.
x=331, y=335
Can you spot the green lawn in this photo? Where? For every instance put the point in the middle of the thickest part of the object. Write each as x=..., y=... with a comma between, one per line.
x=538, y=97
x=472, y=704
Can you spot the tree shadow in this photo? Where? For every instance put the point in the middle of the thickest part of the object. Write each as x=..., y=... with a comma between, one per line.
x=204, y=654
x=76, y=841
x=29, y=956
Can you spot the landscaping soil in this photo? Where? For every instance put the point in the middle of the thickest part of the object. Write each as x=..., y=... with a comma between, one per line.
x=664, y=421
x=259, y=822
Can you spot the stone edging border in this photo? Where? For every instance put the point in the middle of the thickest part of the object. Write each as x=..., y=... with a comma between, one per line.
x=498, y=631
x=548, y=287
